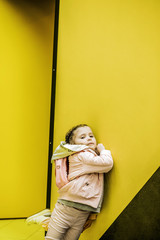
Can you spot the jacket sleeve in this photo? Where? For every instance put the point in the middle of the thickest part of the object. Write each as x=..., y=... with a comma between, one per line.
x=96, y=164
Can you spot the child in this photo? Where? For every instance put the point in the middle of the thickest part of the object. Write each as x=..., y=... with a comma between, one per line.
x=83, y=194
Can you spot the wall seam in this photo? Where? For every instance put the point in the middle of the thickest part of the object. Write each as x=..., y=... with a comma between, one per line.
x=52, y=108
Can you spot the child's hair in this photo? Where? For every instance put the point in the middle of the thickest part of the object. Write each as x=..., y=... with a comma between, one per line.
x=70, y=133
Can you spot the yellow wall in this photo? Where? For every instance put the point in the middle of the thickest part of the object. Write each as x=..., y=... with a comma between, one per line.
x=108, y=77
x=26, y=29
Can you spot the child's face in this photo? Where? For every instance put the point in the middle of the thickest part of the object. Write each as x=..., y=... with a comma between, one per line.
x=84, y=136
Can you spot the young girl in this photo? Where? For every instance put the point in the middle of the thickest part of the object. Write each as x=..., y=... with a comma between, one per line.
x=83, y=194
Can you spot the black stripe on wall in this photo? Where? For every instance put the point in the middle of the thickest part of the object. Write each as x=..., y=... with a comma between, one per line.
x=52, y=111
x=140, y=220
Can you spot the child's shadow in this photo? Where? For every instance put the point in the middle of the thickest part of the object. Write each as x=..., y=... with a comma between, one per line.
x=107, y=188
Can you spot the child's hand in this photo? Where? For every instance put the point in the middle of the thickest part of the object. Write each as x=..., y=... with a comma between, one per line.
x=87, y=224
x=92, y=217
x=45, y=223
x=100, y=147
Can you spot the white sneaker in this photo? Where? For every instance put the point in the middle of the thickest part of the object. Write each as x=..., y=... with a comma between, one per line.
x=39, y=217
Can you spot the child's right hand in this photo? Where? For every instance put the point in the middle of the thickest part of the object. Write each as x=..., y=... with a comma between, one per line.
x=100, y=147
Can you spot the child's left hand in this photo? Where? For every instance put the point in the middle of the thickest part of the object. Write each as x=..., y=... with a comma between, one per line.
x=45, y=223
x=87, y=224
x=92, y=217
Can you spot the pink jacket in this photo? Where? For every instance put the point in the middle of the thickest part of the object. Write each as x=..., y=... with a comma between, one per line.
x=86, y=170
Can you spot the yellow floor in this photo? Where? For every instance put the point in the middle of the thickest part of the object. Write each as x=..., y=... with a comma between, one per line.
x=19, y=230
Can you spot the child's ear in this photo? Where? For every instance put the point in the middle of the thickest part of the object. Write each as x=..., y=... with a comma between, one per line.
x=71, y=141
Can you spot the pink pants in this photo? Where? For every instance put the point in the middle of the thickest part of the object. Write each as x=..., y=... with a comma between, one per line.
x=66, y=223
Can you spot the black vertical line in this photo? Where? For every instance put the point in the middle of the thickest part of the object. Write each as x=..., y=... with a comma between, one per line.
x=52, y=107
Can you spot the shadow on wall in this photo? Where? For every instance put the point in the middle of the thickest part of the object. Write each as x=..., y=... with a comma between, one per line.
x=43, y=7
x=37, y=14
x=107, y=186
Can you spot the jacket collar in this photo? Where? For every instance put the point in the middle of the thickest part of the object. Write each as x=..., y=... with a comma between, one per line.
x=65, y=150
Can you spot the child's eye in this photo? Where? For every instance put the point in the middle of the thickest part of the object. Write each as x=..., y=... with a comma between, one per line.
x=82, y=137
x=91, y=136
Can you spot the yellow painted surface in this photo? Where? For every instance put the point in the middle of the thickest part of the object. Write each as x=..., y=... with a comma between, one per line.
x=108, y=77
x=26, y=49
x=18, y=229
